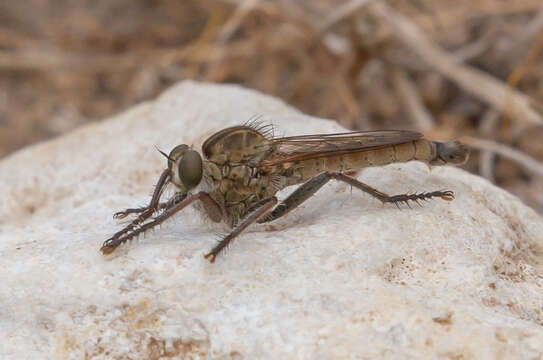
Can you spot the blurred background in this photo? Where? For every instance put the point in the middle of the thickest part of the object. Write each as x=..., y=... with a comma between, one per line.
x=452, y=69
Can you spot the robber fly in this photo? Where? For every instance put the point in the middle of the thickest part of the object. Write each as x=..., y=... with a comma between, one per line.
x=243, y=167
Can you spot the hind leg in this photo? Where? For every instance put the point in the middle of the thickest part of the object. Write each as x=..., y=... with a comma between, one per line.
x=309, y=188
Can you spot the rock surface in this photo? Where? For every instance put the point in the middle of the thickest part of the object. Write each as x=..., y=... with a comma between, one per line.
x=341, y=277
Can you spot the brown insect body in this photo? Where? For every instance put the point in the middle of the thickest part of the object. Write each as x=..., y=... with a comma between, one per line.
x=232, y=175
x=244, y=167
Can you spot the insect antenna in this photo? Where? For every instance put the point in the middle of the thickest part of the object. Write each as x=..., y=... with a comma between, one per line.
x=163, y=153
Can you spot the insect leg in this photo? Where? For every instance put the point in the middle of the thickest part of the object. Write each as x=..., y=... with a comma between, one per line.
x=149, y=210
x=395, y=199
x=159, y=188
x=211, y=207
x=306, y=190
x=254, y=216
x=112, y=243
x=126, y=212
x=300, y=195
x=178, y=196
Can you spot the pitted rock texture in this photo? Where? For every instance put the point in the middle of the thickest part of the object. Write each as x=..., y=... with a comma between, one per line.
x=341, y=277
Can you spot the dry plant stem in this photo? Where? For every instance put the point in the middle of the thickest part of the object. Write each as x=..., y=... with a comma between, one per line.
x=47, y=59
x=532, y=29
x=522, y=159
x=216, y=70
x=474, y=49
x=486, y=165
x=412, y=101
x=346, y=94
x=526, y=64
x=10, y=38
x=458, y=16
x=55, y=60
x=530, y=59
x=489, y=124
x=480, y=84
x=230, y=27
x=191, y=50
x=342, y=12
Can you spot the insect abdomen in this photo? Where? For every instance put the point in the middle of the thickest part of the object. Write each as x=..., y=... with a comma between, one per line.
x=421, y=150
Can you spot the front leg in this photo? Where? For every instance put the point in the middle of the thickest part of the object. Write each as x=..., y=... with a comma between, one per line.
x=111, y=244
x=122, y=214
x=154, y=203
x=177, y=197
x=150, y=209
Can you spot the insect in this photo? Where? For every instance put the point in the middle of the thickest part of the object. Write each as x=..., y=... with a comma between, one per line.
x=243, y=167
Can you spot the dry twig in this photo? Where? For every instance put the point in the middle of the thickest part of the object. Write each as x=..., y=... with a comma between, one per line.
x=488, y=124
x=527, y=162
x=484, y=86
x=341, y=13
x=412, y=101
x=48, y=60
x=234, y=22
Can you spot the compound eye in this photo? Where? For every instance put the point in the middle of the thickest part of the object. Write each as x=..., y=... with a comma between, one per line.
x=190, y=169
x=175, y=154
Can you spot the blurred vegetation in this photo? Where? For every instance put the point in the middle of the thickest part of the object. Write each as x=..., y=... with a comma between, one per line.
x=472, y=71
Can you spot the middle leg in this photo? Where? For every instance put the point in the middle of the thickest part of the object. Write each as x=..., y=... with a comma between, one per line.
x=254, y=216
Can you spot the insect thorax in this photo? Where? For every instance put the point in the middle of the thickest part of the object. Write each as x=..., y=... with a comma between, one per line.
x=236, y=188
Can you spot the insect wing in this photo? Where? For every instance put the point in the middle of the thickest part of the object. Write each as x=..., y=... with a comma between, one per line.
x=305, y=147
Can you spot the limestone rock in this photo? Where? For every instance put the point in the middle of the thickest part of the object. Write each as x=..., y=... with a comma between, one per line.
x=341, y=277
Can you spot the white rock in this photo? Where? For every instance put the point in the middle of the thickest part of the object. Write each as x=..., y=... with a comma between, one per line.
x=341, y=277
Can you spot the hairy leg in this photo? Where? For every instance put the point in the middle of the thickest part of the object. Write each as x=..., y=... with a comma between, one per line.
x=254, y=216
x=112, y=243
x=150, y=209
x=309, y=188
